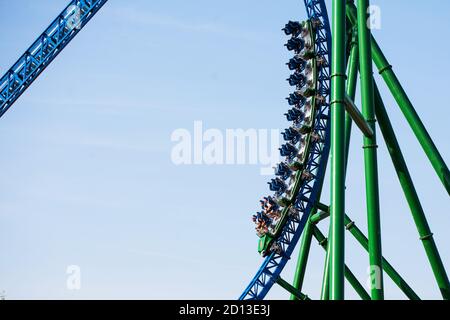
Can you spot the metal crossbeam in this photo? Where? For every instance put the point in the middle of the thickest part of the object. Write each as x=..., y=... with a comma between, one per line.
x=357, y=117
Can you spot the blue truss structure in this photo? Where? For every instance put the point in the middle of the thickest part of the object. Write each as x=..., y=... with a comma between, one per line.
x=42, y=52
x=273, y=265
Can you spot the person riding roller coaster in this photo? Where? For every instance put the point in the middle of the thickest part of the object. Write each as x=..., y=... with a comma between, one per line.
x=270, y=213
x=262, y=223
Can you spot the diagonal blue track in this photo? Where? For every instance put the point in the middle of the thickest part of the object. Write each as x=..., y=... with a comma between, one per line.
x=45, y=49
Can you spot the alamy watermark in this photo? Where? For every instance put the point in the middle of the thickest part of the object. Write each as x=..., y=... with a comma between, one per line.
x=73, y=18
x=198, y=146
x=73, y=281
x=374, y=280
x=374, y=20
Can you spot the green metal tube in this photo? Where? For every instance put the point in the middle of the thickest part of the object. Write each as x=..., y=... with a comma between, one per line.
x=411, y=196
x=422, y=135
x=412, y=117
x=302, y=262
x=319, y=216
x=285, y=285
x=370, y=150
x=338, y=76
x=364, y=242
x=348, y=273
x=387, y=267
x=352, y=78
x=357, y=117
x=325, y=293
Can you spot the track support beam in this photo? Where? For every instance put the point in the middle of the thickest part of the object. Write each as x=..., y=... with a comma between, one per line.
x=348, y=273
x=325, y=293
x=305, y=246
x=406, y=106
x=411, y=196
x=357, y=117
x=364, y=242
x=338, y=77
x=352, y=79
x=370, y=152
x=285, y=285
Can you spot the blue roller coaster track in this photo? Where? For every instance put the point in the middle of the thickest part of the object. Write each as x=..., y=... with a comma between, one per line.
x=45, y=49
x=274, y=263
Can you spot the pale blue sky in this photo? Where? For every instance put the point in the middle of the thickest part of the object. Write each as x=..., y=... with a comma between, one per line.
x=87, y=177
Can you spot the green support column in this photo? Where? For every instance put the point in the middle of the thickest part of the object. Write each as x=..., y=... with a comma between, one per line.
x=387, y=267
x=411, y=196
x=364, y=242
x=348, y=273
x=305, y=246
x=285, y=285
x=385, y=69
x=352, y=77
x=412, y=117
x=370, y=151
x=325, y=293
x=338, y=76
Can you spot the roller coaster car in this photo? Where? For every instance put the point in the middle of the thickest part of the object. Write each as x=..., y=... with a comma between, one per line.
x=264, y=244
x=294, y=114
x=295, y=99
x=291, y=134
x=295, y=44
x=293, y=28
x=297, y=79
x=299, y=136
x=268, y=203
x=288, y=150
x=297, y=63
x=283, y=171
x=277, y=185
x=267, y=240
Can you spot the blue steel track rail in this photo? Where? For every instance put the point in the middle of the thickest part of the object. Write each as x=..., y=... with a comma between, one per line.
x=274, y=264
x=46, y=48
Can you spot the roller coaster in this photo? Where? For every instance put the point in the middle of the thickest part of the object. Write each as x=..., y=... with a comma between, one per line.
x=325, y=64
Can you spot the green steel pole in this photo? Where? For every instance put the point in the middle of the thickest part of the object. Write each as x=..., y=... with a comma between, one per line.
x=370, y=151
x=411, y=196
x=325, y=293
x=387, y=267
x=348, y=273
x=364, y=242
x=422, y=135
x=338, y=151
x=352, y=77
x=285, y=285
x=302, y=262
x=319, y=216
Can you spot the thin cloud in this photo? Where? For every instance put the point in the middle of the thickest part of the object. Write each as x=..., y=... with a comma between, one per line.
x=138, y=17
